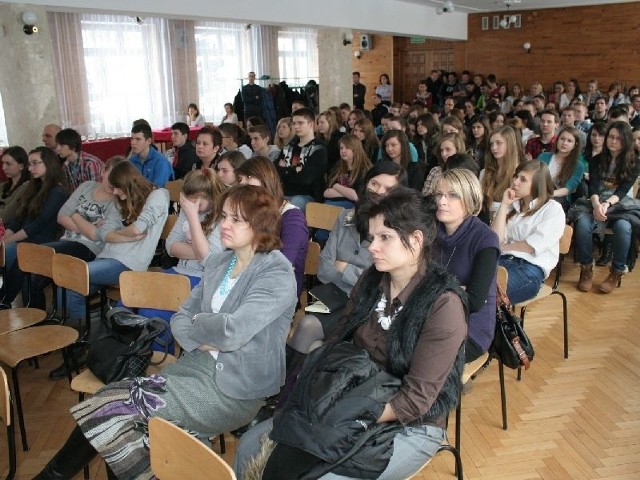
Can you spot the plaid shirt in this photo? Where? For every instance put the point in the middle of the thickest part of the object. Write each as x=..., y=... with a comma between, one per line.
x=87, y=167
x=535, y=146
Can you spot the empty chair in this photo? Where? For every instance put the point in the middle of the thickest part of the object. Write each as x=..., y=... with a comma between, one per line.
x=6, y=415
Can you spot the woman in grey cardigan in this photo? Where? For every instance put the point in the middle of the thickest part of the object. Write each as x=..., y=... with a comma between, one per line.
x=232, y=329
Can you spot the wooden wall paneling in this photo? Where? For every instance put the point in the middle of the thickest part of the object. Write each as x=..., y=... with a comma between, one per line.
x=373, y=63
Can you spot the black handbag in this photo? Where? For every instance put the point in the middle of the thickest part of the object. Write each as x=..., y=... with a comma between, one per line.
x=125, y=350
x=510, y=342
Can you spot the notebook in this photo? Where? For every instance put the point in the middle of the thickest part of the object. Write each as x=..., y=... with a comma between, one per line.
x=329, y=298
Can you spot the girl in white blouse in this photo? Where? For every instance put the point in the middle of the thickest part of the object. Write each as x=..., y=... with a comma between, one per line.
x=529, y=224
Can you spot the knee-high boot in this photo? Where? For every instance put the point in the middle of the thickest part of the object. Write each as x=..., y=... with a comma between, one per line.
x=70, y=459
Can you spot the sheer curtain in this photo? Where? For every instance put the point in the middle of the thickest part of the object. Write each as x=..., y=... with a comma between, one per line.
x=298, y=55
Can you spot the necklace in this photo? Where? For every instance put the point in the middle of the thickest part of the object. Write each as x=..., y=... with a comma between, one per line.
x=446, y=267
x=385, y=321
x=224, y=286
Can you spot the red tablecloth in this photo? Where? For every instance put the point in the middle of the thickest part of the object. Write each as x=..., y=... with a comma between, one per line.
x=164, y=135
x=106, y=148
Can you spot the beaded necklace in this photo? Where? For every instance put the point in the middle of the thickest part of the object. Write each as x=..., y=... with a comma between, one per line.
x=224, y=286
x=385, y=321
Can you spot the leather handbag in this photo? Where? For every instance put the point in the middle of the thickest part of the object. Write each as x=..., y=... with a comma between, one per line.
x=125, y=350
x=510, y=342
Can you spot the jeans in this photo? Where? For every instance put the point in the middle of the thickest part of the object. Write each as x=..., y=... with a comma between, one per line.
x=102, y=272
x=584, y=228
x=35, y=297
x=525, y=278
x=412, y=448
x=13, y=277
x=300, y=201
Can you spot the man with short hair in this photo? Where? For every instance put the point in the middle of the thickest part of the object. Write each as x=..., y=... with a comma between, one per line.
x=231, y=139
x=78, y=166
x=599, y=113
x=434, y=85
x=252, y=97
x=619, y=113
x=568, y=119
x=345, y=110
x=379, y=109
x=302, y=164
x=260, y=137
x=546, y=141
x=449, y=103
x=182, y=155
x=148, y=161
x=49, y=135
x=583, y=123
x=359, y=91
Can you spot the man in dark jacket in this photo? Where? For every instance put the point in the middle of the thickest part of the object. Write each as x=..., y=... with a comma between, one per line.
x=182, y=155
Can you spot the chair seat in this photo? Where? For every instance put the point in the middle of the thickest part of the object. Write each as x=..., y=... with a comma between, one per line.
x=15, y=319
x=31, y=342
x=545, y=291
x=471, y=368
x=87, y=382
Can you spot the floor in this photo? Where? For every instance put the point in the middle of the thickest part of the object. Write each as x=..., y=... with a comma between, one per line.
x=568, y=419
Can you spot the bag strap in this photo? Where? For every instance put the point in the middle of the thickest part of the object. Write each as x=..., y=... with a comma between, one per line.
x=502, y=299
x=515, y=341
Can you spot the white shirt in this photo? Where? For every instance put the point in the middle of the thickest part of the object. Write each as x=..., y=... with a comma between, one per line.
x=542, y=231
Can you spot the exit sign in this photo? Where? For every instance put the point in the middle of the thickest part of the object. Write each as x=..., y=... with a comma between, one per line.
x=417, y=39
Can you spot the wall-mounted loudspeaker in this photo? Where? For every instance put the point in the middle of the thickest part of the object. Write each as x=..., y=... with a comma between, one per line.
x=365, y=43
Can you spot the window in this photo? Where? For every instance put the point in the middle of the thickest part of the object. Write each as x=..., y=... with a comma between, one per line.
x=298, y=55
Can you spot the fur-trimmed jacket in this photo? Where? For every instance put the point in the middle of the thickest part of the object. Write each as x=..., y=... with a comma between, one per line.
x=329, y=420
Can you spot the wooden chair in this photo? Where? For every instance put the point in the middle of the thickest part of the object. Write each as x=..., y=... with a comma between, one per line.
x=321, y=215
x=6, y=415
x=32, y=259
x=546, y=290
x=174, y=187
x=168, y=226
x=15, y=347
x=178, y=454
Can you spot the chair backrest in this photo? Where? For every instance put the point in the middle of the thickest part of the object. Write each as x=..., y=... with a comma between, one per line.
x=565, y=240
x=174, y=187
x=312, y=259
x=321, y=215
x=168, y=226
x=5, y=399
x=161, y=291
x=71, y=273
x=502, y=276
x=36, y=259
x=178, y=454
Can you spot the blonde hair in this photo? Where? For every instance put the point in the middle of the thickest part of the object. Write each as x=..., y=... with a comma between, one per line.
x=496, y=180
x=279, y=142
x=466, y=185
x=207, y=185
x=359, y=166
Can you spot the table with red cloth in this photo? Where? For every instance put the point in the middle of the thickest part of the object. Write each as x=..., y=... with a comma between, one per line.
x=162, y=137
x=105, y=148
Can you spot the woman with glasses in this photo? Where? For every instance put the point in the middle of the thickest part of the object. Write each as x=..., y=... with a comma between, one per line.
x=611, y=176
x=36, y=218
x=468, y=249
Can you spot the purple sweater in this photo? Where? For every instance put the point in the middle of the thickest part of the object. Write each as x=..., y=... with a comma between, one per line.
x=457, y=253
x=295, y=241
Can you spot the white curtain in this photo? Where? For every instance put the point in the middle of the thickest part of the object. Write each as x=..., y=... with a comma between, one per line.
x=298, y=55
x=3, y=126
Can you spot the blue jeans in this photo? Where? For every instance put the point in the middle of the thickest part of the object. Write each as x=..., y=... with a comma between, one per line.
x=300, y=201
x=102, y=272
x=525, y=278
x=584, y=228
x=412, y=448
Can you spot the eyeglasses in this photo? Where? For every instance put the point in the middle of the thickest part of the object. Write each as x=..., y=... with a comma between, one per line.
x=35, y=163
x=449, y=196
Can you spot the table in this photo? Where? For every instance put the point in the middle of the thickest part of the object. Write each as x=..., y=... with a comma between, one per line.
x=105, y=148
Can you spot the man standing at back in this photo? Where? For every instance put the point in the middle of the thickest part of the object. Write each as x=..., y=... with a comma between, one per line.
x=303, y=162
x=359, y=91
x=252, y=98
x=78, y=166
x=150, y=163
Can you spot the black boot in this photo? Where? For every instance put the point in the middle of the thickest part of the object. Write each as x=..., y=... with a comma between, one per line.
x=70, y=459
x=607, y=251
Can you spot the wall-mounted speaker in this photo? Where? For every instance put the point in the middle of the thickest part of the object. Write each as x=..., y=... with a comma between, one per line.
x=365, y=43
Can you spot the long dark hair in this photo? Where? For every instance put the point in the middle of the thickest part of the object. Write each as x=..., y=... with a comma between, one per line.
x=405, y=156
x=601, y=128
x=38, y=190
x=625, y=162
x=569, y=164
x=541, y=186
x=19, y=154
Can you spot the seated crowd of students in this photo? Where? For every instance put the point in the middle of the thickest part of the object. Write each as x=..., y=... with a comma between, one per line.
x=434, y=199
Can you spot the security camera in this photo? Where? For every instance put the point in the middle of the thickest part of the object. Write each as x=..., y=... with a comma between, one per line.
x=139, y=20
x=30, y=29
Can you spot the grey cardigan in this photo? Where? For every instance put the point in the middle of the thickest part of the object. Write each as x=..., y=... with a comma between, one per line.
x=344, y=244
x=251, y=328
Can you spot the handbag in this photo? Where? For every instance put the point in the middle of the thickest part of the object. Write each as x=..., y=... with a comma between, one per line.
x=510, y=342
x=125, y=350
